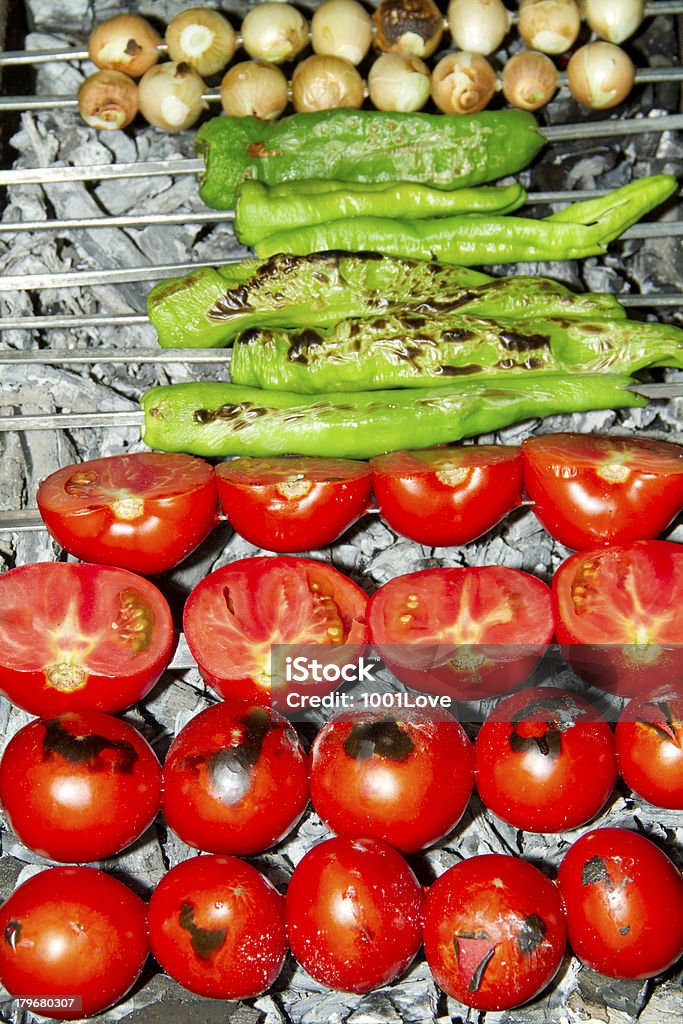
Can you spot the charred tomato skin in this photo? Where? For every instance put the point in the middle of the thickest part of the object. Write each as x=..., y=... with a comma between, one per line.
x=545, y=761
x=354, y=913
x=649, y=737
x=235, y=779
x=217, y=926
x=624, y=903
x=73, y=931
x=80, y=786
x=406, y=780
x=494, y=931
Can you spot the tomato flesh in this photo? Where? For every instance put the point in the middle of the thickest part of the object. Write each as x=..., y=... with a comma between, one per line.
x=447, y=496
x=76, y=636
x=590, y=489
x=144, y=511
x=293, y=504
x=649, y=736
x=467, y=633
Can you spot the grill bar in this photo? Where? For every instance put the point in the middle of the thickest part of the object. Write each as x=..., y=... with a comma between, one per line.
x=76, y=357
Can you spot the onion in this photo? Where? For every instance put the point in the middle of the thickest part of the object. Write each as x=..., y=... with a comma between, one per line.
x=342, y=28
x=108, y=100
x=254, y=88
x=324, y=83
x=125, y=43
x=551, y=26
x=398, y=81
x=202, y=38
x=463, y=83
x=600, y=75
x=409, y=26
x=478, y=25
x=171, y=96
x=530, y=80
x=275, y=32
x=614, y=20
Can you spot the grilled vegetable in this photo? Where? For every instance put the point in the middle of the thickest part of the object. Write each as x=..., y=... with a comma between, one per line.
x=364, y=145
x=209, y=307
x=210, y=419
x=414, y=350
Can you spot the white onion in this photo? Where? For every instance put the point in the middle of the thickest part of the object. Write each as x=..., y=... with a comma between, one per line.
x=529, y=80
x=478, y=25
x=125, y=43
x=171, y=96
x=342, y=28
x=398, y=81
x=408, y=26
x=614, y=20
x=551, y=26
x=463, y=83
x=108, y=100
x=202, y=38
x=600, y=75
x=275, y=32
x=325, y=83
x=254, y=88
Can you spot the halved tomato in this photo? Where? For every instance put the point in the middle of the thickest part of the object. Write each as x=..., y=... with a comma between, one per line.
x=589, y=489
x=619, y=615
x=446, y=496
x=464, y=632
x=75, y=636
x=290, y=503
x=236, y=614
x=143, y=511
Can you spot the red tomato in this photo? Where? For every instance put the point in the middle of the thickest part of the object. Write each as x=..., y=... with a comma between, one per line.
x=76, y=636
x=624, y=903
x=588, y=490
x=621, y=610
x=293, y=504
x=81, y=786
x=545, y=761
x=217, y=926
x=72, y=932
x=236, y=614
x=235, y=779
x=467, y=632
x=143, y=511
x=649, y=737
x=447, y=495
x=494, y=931
x=405, y=780
x=354, y=914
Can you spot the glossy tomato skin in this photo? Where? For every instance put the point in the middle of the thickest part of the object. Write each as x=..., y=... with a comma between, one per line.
x=79, y=636
x=404, y=780
x=235, y=779
x=72, y=932
x=80, y=786
x=293, y=504
x=618, y=611
x=589, y=489
x=624, y=903
x=143, y=511
x=494, y=932
x=235, y=615
x=446, y=496
x=464, y=632
x=217, y=926
x=649, y=736
x=545, y=761
x=354, y=914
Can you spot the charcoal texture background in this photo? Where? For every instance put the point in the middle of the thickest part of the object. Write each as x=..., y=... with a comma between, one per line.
x=370, y=552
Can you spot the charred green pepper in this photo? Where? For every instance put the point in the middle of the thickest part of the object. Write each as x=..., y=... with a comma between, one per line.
x=364, y=145
x=209, y=307
x=413, y=350
x=210, y=419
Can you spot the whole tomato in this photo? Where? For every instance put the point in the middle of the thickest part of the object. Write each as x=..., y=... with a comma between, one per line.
x=649, y=737
x=406, y=780
x=624, y=903
x=494, y=931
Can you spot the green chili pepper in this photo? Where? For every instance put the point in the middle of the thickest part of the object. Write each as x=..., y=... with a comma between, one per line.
x=583, y=229
x=413, y=350
x=208, y=308
x=261, y=211
x=211, y=419
x=364, y=145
